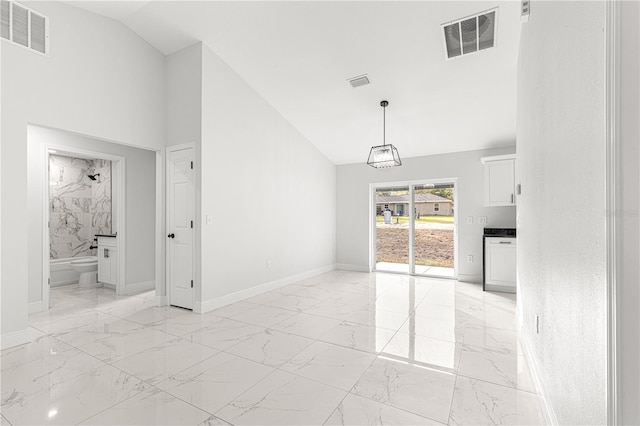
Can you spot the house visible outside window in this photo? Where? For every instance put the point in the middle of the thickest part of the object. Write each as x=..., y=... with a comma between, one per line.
x=436, y=207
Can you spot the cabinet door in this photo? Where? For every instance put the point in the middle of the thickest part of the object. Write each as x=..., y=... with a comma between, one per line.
x=499, y=183
x=500, y=267
x=104, y=266
x=113, y=266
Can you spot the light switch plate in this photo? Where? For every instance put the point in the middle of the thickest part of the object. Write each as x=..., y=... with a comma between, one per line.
x=209, y=219
x=470, y=220
x=482, y=220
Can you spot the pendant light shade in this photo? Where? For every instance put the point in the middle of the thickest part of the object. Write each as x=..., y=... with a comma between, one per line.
x=385, y=155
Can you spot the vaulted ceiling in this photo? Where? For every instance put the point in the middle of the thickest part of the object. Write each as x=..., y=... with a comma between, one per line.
x=299, y=55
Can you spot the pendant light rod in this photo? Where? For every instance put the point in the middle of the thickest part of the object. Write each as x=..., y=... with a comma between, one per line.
x=384, y=104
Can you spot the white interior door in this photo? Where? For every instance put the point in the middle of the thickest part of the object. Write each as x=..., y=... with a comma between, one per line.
x=181, y=208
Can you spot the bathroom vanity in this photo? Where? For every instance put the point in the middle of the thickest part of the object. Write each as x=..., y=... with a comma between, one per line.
x=107, y=259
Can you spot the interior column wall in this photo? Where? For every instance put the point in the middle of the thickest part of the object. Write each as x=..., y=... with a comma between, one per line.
x=561, y=163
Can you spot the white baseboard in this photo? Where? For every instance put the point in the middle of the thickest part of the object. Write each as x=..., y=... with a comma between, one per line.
x=501, y=288
x=351, y=267
x=218, y=302
x=466, y=278
x=139, y=287
x=35, y=307
x=161, y=300
x=537, y=378
x=111, y=286
x=16, y=338
x=65, y=282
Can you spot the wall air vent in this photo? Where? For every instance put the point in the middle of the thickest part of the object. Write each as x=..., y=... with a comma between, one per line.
x=361, y=80
x=24, y=27
x=471, y=34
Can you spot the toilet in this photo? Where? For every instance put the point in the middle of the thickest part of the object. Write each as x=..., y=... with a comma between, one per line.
x=88, y=269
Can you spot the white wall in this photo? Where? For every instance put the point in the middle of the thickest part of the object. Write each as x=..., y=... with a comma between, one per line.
x=140, y=176
x=353, y=204
x=183, y=88
x=100, y=79
x=629, y=217
x=270, y=192
x=561, y=159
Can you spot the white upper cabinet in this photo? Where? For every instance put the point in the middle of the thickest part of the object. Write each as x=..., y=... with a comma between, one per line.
x=499, y=180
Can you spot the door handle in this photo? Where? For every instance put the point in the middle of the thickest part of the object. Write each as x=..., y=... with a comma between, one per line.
x=172, y=235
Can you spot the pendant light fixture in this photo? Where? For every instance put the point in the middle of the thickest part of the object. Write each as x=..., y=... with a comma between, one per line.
x=385, y=155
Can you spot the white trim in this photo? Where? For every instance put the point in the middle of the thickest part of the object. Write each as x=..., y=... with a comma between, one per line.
x=160, y=243
x=161, y=300
x=138, y=287
x=412, y=231
x=537, y=378
x=352, y=267
x=46, y=249
x=470, y=278
x=118, y=173
x=16, y=338
x=485, y=160
x=612, y=226
x=167, y=285
x=118, y=179
x=35, y=307
x=218, y=302
x=500, y=288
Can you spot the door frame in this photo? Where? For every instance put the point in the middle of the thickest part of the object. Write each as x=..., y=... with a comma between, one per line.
x=410, y=184
x=168, y=151
x=118, y=168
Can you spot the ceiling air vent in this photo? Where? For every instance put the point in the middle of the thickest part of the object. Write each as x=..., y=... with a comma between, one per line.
x=5, y=18
x=470, y=34
x=23, y=26
x=525, y=10
x=361, y=80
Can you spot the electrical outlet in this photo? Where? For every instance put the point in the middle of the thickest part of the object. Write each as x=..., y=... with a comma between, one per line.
x=470, y=220
x=482, y=220
x=209, y=219
x=470, y=258
x=537, y=324
x=268, y=264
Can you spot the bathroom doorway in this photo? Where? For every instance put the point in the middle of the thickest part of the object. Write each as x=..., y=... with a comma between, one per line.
x=132, y=221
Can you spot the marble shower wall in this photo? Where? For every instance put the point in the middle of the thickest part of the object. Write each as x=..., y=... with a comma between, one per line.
x=79, y=208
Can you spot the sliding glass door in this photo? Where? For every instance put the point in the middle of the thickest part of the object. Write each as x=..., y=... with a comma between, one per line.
x=434, y=229
x=392, y=229
x=415, y=228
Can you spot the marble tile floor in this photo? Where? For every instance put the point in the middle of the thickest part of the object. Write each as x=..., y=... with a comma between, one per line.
x=342, y=348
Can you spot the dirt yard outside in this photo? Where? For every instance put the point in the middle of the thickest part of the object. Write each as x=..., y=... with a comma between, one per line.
x=434, y=244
